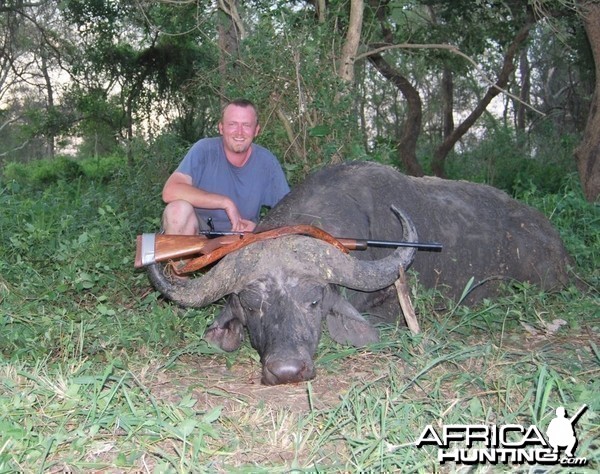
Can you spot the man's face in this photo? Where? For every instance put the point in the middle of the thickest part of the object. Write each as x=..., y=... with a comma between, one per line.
x=238, y=127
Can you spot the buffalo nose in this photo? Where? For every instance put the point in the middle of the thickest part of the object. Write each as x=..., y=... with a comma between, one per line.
x=287, y=371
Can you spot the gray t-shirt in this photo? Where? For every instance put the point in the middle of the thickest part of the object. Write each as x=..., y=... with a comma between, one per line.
x=260, y=182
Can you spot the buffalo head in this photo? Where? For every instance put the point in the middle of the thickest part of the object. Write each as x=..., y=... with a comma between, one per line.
x=281, y=290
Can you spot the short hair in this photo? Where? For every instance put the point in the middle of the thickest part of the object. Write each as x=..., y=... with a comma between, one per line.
x=240, y=103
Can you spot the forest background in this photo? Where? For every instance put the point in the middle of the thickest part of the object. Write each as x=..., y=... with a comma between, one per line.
x=99, y=101
x=422, y=85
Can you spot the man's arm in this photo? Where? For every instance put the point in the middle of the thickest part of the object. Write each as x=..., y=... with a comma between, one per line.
x=179, y=186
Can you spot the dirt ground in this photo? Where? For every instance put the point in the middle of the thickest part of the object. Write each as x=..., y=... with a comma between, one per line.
x=208, y=380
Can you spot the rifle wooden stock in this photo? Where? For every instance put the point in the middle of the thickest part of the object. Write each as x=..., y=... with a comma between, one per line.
x=173, y=247
x=166, y=247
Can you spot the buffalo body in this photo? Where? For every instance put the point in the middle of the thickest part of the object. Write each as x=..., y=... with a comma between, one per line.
x=486, y=235
x=282, y=289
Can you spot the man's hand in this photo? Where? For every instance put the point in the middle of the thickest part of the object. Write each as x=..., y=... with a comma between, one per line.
x=245, y=226
x=238, y=223
x=179, y=187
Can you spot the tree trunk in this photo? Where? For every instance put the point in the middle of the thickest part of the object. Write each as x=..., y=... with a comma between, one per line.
x=447, y=89
x=525, y=73
x=411, y=128
x=346, y=71
x=50, y=133
x=587, y=153
x=447, y=103
x=321, y=7
x=231, y=30
x=439, y=156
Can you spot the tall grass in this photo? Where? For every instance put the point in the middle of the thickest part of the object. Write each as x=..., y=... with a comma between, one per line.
x=98, y=373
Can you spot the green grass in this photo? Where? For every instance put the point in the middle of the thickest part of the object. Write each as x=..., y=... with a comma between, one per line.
x=98, y=373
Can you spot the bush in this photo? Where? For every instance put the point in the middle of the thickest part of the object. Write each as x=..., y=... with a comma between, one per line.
x=105, y=168
x=577, y=220
x=43, y=171
x=62, y=168
x=509, y=162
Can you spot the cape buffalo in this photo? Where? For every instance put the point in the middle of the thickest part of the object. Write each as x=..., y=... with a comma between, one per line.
x=281, y=289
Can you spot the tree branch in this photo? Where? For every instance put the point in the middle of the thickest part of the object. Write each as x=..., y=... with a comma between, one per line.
x=5, y=8
x=20, y=147
x=454, y=50
x=230, y=9
x=507, y=69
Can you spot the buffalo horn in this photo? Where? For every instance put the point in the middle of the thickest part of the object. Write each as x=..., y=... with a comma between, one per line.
x=302, y=255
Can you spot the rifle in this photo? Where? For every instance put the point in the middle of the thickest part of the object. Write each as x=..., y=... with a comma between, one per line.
x=574, y=418
x=211, y=245
x=350, y=244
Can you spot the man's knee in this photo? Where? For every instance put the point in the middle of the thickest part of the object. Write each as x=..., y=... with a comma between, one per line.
x=179, y=217
x=178, y=209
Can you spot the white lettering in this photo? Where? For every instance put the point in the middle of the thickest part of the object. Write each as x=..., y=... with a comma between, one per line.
x=478, y=433
x=496, y=456
x=429, y=436
x=454, y=433
x=492, y=444
x=533, y=436
x=504, y=438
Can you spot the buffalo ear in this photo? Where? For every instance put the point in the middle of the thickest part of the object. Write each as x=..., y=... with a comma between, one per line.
x=347, y=326
x=227, y=331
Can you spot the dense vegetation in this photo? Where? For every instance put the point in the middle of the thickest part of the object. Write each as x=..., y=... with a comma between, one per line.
x=98, y=372
x=99, y=100
x=410, y=81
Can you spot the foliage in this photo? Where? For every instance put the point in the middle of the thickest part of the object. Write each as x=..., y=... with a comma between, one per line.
x=99, y=373
x=45, y=172
x=123, y=73
x=307, y=112
x=501, y=159
x=579, y=221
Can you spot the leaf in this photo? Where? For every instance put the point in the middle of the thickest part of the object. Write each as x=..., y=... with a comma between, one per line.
x=319, y=131
x=187, y=401
x=212, y=415
x=467, y=289
x=476, y=408
x=187, y=427
x=104, y=310
x=73, y=390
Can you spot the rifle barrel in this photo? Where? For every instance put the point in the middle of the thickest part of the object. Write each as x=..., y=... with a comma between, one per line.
x=352, y=244
x=433, y=246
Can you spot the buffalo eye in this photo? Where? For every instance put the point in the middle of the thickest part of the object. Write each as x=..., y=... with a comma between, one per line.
x=314, y=300
x=314, y=297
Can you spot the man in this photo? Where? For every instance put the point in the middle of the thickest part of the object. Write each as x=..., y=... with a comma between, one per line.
x=561, y=433
x=224, y=181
